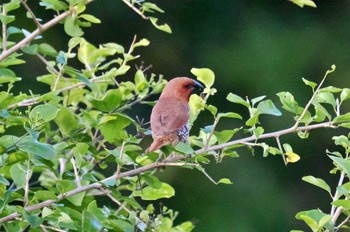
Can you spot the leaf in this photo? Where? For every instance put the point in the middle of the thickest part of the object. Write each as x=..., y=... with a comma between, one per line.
x=237, y=99
x=225, y=135
x=310, y=83
x=184, y=148
x=165, y=27
x=32, y=146
x=292, y=157
x=342, y=118
x=342, y=163
x=342, y=203
x=229, y=115
x=142, y=43
x=257, y=99
x=43, y=195
x=345, y=94
x=253, y=120
x=204, y=75
x=288, y=102
x=90, y=18
x=45, y=113
x=113, y=129
x=109, y=102
x=66, y=122
x=267, y=107
x=150, y=194
x=303, y=3
x=71, y=27
x=317, y=182
x=18, y=174
x=47, y=49
x=225, y=181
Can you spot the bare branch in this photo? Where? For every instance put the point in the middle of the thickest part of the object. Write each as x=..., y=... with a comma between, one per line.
x=26, y=188
x=216, y=121
x=281, y=149
x=4, y=33
x=37, y=23
x=135, y=9
x=343, y=222
x=76, y=172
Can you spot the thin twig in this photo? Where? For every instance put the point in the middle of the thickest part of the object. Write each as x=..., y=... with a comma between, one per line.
x=281, y=149
x=26, y=188
x=209, y=177
x=76, y=172
x=120, y=157
x=336, y=195
x=216, y=121
x=343, y=222
x=37, y=23
x=312, y=98
x=46, y=228
x=4, y=32
x=336, y=214
x=47, y=64
x=135, y=9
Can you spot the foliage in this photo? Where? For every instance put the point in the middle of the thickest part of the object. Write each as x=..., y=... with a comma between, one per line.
x=62, y=149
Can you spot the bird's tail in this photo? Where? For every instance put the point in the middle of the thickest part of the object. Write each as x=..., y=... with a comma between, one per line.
x=157, y=143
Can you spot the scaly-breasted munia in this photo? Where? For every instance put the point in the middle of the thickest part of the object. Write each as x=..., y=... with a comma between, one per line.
x=170, y=116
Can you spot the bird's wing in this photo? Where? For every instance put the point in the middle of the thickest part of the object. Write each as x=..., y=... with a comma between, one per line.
x=168, y=116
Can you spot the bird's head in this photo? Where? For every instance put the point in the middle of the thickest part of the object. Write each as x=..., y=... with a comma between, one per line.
x=181, y=87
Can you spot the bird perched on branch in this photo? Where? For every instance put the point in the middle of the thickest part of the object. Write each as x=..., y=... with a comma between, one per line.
x=170, y=116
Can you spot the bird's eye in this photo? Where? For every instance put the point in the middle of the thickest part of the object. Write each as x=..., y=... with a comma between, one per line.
x=187, y=86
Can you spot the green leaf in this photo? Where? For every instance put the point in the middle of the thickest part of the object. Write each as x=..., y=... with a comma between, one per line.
x=71, y=27
x=165, y=27
x=66, y=121
x=90, y=18
x=317, y=182
x=310, y=83
x=152, y=181
x=43, y=195
x=212, y=109
x=345, y=94
x=150, y=194
x=303, y=3
x=292, y=157
x=342, y=163
x=288, y=102
x=257, y=99
x=44, y=113
x=11, y=6
x=18, y=174
x=237, y=99
x=342, y=203
x=342, y=118
x=325, y=97
x=225, y=135
x=3, y=180
x=54, y=5
x=229, y=115
x=253, y=120
x=47, y=49
x=184, y=148
x=225, y=181
x=151, y=7
x=267, y=107
x=109, y=102
x=33, y=220
x=77, y=199
x=32, y=146
x=142, y=43
x=204, y=75
x=7, y=75
x=113, y=127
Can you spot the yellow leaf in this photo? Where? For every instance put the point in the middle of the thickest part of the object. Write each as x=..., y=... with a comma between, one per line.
x=303, y=3
x=292, y=157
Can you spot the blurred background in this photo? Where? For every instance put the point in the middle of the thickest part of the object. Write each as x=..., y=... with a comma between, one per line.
x=255, y=48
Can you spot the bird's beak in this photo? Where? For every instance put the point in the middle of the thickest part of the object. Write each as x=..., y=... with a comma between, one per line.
x=197, y=87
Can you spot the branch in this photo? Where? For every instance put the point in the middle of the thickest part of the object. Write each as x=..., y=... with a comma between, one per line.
x=135, y=9
x=31, y=14
x=170, y=161
x=40, y=29
x=4, y=34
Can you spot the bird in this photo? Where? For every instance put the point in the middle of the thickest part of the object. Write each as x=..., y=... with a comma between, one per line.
x=170, y=115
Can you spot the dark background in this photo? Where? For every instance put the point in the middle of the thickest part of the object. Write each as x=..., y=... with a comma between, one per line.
x=255, y=48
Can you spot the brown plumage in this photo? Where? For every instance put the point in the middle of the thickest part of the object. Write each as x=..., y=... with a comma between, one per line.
x=169, y=118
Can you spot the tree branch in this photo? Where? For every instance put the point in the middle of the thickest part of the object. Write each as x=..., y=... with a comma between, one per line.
x=170, y=161
x=135, y=9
